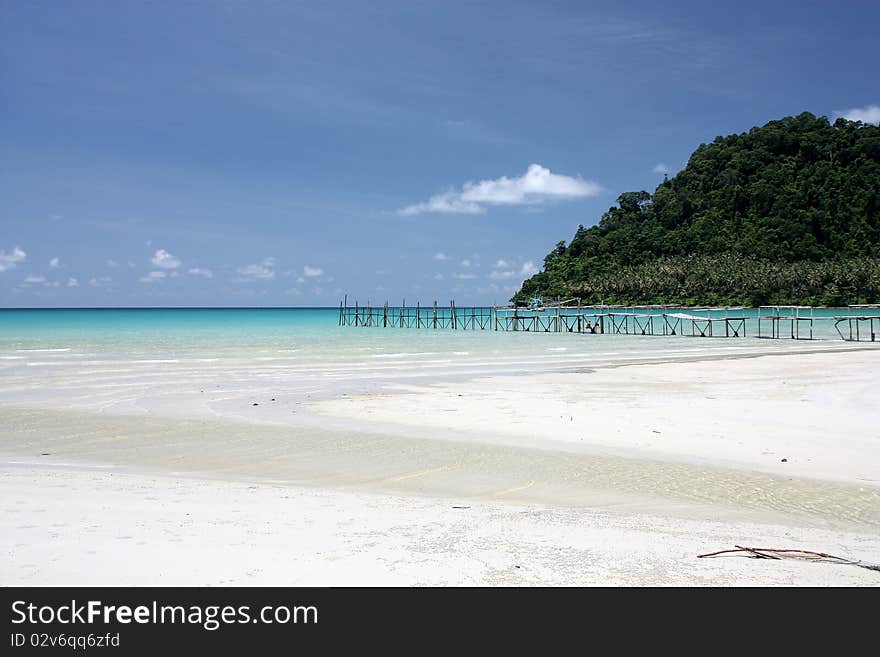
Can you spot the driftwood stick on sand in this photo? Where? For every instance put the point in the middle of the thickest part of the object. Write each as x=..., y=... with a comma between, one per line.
x=756, y=553
x=791, y=553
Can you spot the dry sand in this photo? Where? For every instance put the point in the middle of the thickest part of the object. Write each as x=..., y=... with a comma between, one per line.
x=94, y=526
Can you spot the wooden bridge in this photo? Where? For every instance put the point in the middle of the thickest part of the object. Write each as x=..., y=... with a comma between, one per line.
x=798, y=320
x=556, y=318
x=860, y=326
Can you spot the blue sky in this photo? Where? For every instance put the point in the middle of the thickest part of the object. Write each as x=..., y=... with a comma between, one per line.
x=285, y=153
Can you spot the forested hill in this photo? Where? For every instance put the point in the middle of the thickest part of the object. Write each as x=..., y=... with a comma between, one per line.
x=785, y=213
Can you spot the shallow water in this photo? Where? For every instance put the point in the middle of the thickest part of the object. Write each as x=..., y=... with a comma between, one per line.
x=137, y=360
x=309, y=340
x=296, y=456
x=181, y=365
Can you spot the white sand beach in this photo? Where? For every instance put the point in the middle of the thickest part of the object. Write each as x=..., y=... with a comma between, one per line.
x=607, y=475
x=90, y=526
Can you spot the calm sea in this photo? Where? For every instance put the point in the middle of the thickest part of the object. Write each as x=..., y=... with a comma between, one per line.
x=310, y=339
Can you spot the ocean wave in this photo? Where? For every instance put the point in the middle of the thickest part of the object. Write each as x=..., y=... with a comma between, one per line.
x=43, y=350
x=153, y=360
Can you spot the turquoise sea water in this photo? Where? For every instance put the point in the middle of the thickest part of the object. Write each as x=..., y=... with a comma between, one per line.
x=303, y=336
x=309, y=340
x=109, y=325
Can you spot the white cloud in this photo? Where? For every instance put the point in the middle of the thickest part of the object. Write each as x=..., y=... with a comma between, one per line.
x=300, y=280
x=661, y=168
x=501, y=264
x=165, y=260
x=448, y=203
x=500, y=275
x=153, y=277
x=312, y=271
x=438, y=277
x=292, y=292
x=100, y=282
x=258, y=272
x=113, y=264
x=54, y=263
x=72, y=282
x=465, y=276
x=466, y=263
x=440, y=256
x=204, y=273
x=528, y=269
x=537, y=185
x=867, y=114
x=10, y=260
x=33, y=280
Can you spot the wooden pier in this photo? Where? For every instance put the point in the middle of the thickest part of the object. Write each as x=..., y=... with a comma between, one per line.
x=780, y=316
x=563, y=317
x=861, y=327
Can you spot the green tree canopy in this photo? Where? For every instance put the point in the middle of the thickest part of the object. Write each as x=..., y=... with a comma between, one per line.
x=794, y=194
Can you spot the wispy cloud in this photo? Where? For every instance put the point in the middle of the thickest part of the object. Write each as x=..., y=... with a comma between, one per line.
x=537, y=185
x=505, y=271
x=867, y=114
x=153, y=277
x=312, y=271
x=661, y=168
x=11, y=260
x=54, y=263
x=72, y=282
x=100, y=282
x=34, y=280
x=165, y=260
x=466, y=276
x=203, y=273
x=528, y=269
x=440, y=256
x=263, y=271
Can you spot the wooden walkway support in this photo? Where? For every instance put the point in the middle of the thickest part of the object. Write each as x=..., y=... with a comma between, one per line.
x=860, y=327
x=778, y=316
